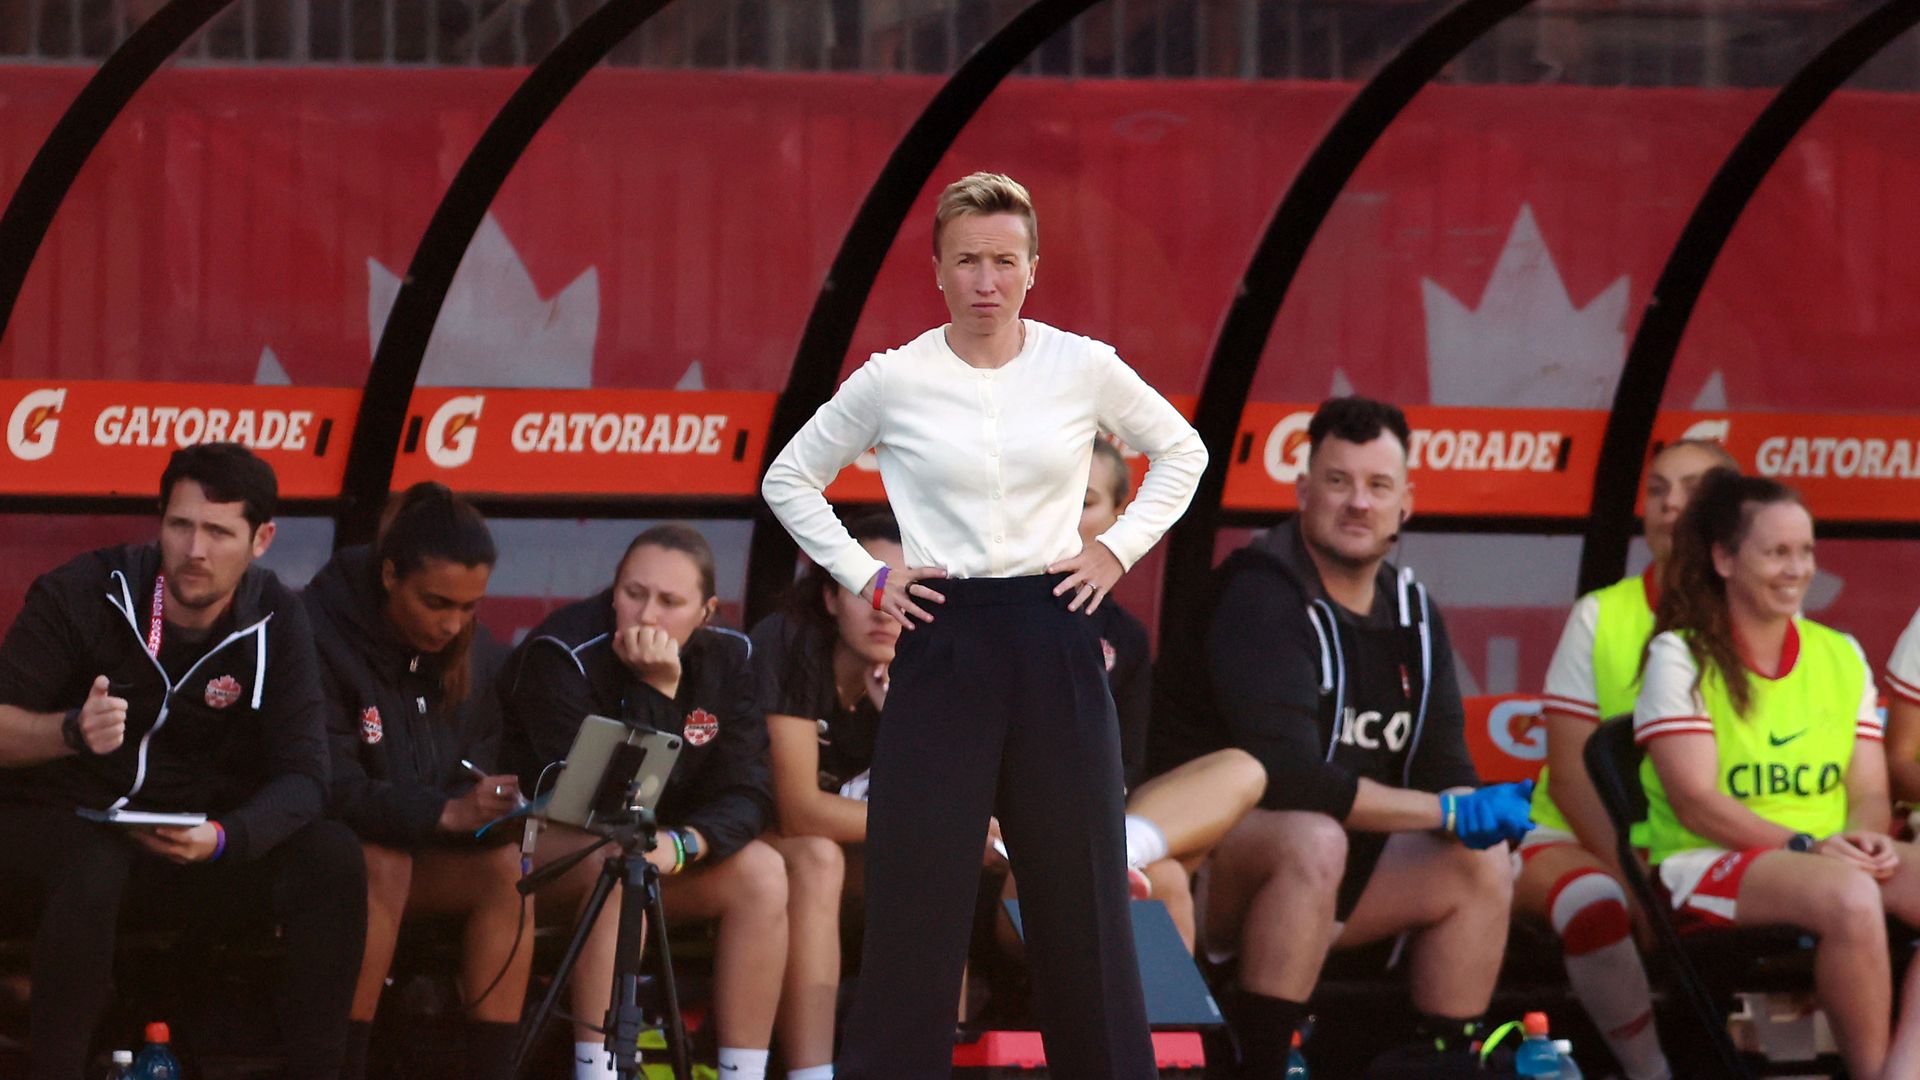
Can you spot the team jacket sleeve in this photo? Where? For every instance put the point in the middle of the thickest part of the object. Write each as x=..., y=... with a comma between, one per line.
x=546, y=696
x=1441, y=760
x=845, y=427
x=1137, y=413
x=1262, y=662
x=1570, y=686
x=293, y=709
x=40, y=659
x=390, y=814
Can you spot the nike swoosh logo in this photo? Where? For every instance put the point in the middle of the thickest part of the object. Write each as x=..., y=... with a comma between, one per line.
x=1778, y=741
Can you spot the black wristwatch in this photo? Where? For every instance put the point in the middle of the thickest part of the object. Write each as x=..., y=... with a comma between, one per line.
x=70, y=733
x=1802, y=842
x=691, y=841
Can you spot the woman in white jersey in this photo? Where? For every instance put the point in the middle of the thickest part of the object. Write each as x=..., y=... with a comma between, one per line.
x=999, y=704
x=1766, y=781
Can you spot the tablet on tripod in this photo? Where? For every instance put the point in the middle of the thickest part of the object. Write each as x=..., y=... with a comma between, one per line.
x=608, y=760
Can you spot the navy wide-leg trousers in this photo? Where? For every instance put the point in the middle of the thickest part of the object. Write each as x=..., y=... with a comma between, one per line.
x=999, y=706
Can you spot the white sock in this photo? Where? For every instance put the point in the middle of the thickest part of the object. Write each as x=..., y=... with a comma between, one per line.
x=738, y=1064
x=591, y=1061
x=1589, y=912
x=1146, y=844
x=814, y=1072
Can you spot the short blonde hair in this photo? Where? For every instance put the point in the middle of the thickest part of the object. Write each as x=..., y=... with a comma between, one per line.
x=986, y=193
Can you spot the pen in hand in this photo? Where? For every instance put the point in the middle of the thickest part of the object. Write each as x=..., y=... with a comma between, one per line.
x=520, y=799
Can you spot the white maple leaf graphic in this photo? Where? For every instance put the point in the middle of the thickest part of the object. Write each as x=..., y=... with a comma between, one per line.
x=495, y=329
x=1526, y=345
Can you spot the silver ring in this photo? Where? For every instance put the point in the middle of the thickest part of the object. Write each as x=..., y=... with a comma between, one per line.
x=499, y=789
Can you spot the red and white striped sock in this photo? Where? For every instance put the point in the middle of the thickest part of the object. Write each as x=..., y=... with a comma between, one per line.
x=1589, y=912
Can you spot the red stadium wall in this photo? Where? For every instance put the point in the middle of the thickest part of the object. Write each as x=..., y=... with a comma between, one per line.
x=669, y=230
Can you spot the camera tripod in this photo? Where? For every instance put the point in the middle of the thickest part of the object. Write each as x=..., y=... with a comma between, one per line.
x=639, y=905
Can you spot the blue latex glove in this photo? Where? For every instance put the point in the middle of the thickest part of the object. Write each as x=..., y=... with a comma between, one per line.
x=1494, y=813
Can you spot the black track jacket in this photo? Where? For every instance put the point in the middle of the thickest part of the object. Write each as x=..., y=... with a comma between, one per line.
x=238, y=735
x=396, y=746
x=566, y=670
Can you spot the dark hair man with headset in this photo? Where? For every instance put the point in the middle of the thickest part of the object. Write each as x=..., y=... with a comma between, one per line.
x=1332, y=667
x=175, y=677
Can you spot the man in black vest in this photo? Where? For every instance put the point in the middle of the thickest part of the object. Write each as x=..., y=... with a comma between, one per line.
x=175, y=677
x=1333, y=669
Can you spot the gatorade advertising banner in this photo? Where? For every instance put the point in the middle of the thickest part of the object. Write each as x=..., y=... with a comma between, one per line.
x=1847, y=468
x=1532, y=462
x=114, y=438
x=586, y=442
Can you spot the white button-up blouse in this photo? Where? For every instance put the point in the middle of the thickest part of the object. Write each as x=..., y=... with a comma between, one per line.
x=986, y=468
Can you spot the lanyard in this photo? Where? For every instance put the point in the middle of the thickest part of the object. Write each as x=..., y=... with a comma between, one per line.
x=155, y=625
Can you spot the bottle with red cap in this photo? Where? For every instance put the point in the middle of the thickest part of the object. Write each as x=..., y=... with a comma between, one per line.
x=156, y=1060
x=1297, y=1061
x=1538, y=1057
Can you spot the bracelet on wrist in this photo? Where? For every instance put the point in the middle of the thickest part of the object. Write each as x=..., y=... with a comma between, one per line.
x=219, y=841
x=1447, y=802
x=679, y=851
x=880, y=586
x=690, y=840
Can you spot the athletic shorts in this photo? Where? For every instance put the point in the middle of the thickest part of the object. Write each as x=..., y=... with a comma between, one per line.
x=1703, y=885
x=1537, y=841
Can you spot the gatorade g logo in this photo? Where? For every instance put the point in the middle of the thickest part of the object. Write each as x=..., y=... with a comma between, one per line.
x=1287, y=446
x=454, y=429
x=1368, y=730
x=35, y=424
x=1516, y=728
x=1754, y=779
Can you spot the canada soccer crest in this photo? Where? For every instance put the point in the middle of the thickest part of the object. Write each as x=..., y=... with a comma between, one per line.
x=223, y=691
x=370, y=729
x=701, y=727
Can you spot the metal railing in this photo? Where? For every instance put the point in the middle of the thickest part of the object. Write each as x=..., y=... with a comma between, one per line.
x=1709, y=43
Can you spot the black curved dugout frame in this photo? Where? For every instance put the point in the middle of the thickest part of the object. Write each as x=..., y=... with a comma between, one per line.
x=1611, y=524
x=51, y=174
x=1277, y=258
x=409, y=328
x=843, y=296
x=44, y=186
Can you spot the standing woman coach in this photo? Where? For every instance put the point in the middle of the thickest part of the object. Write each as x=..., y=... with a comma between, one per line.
x=984, y=429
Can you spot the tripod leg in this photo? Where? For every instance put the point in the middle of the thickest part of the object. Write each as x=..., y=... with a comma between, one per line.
x=602, y=888
x=623, y=1012
x=663, y=961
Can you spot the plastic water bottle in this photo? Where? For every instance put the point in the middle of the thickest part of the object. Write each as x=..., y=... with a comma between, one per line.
x=1569, y=1068
x=156, y=1060
x=122, y=1068
x=1296, y=1061
x=1537, y=1056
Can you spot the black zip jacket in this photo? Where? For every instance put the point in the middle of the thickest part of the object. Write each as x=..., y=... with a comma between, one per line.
x=237, y=735
x=566, y=670
x=1319, y=695
x=396, y=746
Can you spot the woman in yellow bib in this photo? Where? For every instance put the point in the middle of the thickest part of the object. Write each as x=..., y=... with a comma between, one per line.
x=1766, y=778
x=1566, y=874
